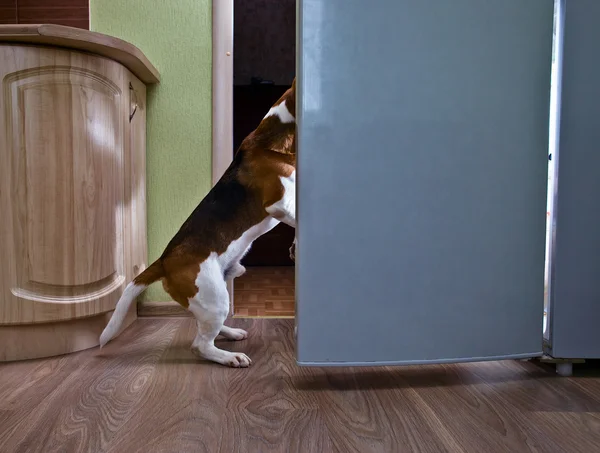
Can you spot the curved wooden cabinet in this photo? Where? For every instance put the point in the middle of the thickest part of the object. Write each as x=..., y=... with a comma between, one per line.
x=72, y=191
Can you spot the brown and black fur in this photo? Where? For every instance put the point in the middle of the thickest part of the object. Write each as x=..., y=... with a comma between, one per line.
x=232, y=206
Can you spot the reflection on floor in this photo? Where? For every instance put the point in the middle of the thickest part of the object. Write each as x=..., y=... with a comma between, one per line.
x=266, y=292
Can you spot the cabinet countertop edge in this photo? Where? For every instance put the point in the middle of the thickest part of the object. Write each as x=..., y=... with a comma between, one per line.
x=84, y=40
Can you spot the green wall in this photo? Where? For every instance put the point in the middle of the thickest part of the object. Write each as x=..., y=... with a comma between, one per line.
x=176, y=36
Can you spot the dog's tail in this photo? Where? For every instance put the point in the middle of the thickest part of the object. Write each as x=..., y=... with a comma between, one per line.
x=150, y=275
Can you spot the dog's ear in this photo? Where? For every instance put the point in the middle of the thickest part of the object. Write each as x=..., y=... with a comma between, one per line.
x=294, y=85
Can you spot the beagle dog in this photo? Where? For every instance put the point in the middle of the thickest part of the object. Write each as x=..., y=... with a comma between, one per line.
x=256, y=192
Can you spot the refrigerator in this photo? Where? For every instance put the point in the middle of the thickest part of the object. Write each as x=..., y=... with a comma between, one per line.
x=422, y=183
x=573, y=265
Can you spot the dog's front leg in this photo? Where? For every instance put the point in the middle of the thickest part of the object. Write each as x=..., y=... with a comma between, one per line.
x=284, y=209
x=284, y=213
x=293, y=250
x=288, y=217
x=236, y=270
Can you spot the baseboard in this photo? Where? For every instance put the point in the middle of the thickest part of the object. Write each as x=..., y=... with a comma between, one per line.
x=162, y=309
x=36, y=341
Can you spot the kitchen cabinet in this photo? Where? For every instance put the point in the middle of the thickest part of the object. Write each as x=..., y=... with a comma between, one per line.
x=72, y=184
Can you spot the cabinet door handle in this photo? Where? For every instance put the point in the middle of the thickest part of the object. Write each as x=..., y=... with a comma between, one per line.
x=132, y=101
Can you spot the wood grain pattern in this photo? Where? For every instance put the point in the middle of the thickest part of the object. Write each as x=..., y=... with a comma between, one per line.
x=147, y=392
x=8, y=11
x=63, y=184
x=263, y=292
x=72, y=196
x=32, y=341
x=136, y=224
x=73, y=13
x=84, y=40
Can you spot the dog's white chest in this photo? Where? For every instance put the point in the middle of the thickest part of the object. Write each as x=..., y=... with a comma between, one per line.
x=288, y=201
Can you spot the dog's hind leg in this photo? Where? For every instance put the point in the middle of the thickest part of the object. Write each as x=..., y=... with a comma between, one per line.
x=210, y=307
x=232, y=333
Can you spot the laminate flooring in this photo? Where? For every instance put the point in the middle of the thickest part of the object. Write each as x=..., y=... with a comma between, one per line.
x=146, y=392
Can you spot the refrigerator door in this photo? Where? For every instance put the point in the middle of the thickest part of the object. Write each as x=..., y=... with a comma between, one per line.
x=422, y=172
x=575, y=292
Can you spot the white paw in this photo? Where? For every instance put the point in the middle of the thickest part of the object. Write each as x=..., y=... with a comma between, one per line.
x=232, y=333
x=237, y=334
x=238, y=360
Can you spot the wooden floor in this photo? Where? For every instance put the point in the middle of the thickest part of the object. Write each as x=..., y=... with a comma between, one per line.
x=146, y=392
x=266, y=292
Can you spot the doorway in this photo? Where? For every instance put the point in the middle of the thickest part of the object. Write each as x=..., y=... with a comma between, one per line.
x=264, y=66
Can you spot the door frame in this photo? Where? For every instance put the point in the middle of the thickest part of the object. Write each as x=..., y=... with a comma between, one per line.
x=222, y=95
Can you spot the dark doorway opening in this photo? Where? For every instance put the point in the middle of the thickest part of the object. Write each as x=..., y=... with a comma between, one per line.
x=264, y=66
